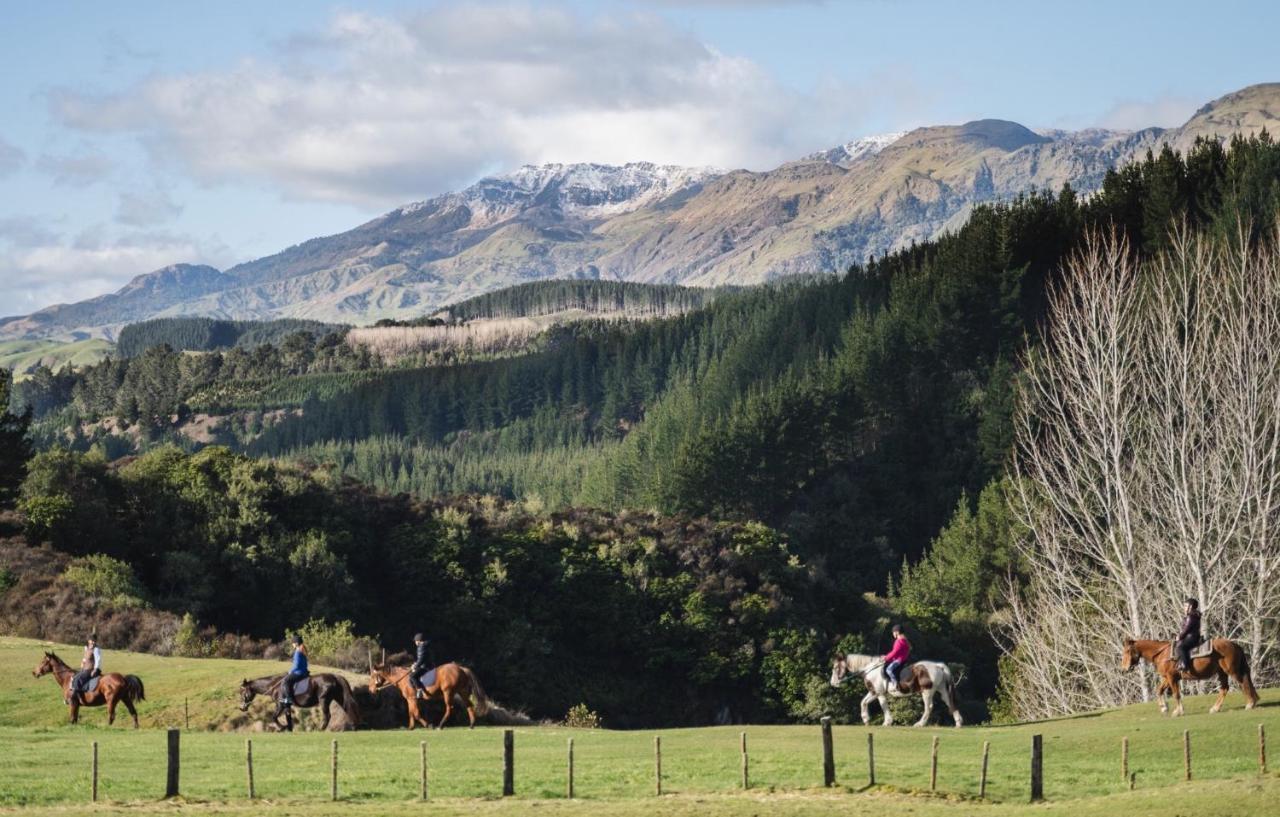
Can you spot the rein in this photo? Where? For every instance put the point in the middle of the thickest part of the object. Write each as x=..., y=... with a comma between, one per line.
x=388, y=682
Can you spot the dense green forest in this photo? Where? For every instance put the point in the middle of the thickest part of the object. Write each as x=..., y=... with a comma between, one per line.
x=208, y=334
x=549, y=297
x=849, y=435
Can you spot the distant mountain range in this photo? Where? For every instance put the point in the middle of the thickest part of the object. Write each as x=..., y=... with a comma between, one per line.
x=646, y=222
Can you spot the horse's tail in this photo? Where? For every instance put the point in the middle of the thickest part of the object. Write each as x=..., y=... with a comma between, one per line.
x=349, y=705
x=133, y=684
x=1246, y=678
x=483, y=704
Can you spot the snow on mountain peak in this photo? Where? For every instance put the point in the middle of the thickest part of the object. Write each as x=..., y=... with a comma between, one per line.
x=850, y=152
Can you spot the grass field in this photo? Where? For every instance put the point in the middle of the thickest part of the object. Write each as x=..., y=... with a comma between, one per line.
x=46, y=768
x=23, y=355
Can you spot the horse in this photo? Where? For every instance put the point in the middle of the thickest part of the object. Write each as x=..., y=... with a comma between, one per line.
x=323, y=690
x=926, y=677
x=451, y=680
x=1226, y=659
x=113, y=688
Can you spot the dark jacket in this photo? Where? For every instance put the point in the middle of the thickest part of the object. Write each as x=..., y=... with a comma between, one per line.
x=1191, y=627
x=423, y=660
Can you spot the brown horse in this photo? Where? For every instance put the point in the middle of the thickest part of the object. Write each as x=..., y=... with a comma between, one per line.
x=113, y=688
x=1227, y=659
x=451, y=680
x=323, y=689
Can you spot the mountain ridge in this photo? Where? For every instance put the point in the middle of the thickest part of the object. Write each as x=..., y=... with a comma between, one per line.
x=648, y=223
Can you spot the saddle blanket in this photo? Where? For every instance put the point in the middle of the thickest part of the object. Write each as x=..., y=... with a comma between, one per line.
x=91, y=685
x=428, y=678
x=299, y=688
x=1199, y=651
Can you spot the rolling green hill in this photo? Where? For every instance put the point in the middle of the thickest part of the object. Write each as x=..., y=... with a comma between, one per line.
x=24, y=355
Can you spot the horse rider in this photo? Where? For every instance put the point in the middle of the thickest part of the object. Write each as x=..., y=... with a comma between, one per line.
x=297, y=672
x=421, y=663
x=897, y=655
x=1189, y=636
x=90, y=667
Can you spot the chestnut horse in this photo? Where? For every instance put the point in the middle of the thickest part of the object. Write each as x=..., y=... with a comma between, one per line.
x=451, y=680
x=1227, y=659
x=113, y=688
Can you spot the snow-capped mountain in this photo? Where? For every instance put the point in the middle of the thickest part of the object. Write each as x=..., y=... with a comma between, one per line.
x=850, y=152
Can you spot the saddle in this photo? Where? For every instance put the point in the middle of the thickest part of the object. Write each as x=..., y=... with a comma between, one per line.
x=90, y=685
x=1204, y=648
x=299, y=688
x=428, y=678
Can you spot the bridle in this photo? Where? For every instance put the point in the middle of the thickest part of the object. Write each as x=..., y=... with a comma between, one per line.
x=389, y=682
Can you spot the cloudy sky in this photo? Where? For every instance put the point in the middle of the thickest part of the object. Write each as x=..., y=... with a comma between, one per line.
x=141, y=134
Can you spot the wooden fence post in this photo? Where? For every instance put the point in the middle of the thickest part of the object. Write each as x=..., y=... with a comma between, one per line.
x=171, y=779
x=1037, y=768
x=569, y=786
x=1186, y=752
x=333, y=772
x=93, y=791
x=508, y=762
x=657, y=764
x=248, y=764
x=933, y=765
x=1262, y=750
x=982, y=781
x=871, y=758
x=422, y=749
x=186, y=713
x=1124, y=758
x=828, y=754
x=746, y=781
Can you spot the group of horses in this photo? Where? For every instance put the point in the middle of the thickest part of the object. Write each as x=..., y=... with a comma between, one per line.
x=454, y=682
x=1222, y=660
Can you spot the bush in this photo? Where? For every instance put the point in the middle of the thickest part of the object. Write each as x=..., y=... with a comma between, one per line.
x=107, y=579
x=188, y=641
x=582, y=717
x=336, y=644
x=46, y=515
x=7, y=580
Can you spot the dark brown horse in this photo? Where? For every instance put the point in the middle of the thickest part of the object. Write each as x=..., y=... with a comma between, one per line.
x=1226, y=659
x=323, y=689
x=451, y=680
x=113, y=688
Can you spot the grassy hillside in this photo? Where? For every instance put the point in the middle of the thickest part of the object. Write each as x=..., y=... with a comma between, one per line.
x=614, y=770
x=24, y=355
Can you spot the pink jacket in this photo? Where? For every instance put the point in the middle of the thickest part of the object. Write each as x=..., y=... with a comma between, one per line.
x=901, y=649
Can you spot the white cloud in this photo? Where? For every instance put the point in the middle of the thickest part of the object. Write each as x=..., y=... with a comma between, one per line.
x=1164, y=112
x=76, y=171
x=377, y=111
x=12, y=158
x=146, y=208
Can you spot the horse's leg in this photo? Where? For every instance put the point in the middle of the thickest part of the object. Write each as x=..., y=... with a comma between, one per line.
x=412, y=701
x=1176, y=683
x=927, y=695
x=866, y=712
x=884, y=704
x=1162, y=691
x=128, y=704
x=1223, y=686
x=111, y=711
x=448, y=705
x=75, y=710
x=949, y=700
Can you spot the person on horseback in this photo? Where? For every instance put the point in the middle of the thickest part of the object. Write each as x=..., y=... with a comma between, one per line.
x=421, y=663
x=1189, y=636
x=90, y=667
x=296, y=673
x=897, y=655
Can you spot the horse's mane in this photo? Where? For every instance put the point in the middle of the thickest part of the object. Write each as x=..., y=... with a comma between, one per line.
x=53, y=656
x=856, y=662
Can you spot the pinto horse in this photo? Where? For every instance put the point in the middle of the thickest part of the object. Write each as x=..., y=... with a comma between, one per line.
x=925, y=677
x=113, y=688
x=325, y=689
x=1227, y=659
x=451, y=680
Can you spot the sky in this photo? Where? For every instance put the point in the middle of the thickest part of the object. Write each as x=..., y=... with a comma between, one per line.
x=137, y=135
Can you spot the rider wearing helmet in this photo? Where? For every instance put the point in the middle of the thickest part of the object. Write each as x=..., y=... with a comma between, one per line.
x=897, y=655
x=1189, y=636
x=297, y=672
x=421, y=663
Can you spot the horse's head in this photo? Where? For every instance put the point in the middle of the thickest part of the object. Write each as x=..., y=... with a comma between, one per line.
x=1129, y=657
x=839, y=670
x=377, y=678
x=246, y=694
x=44, y=667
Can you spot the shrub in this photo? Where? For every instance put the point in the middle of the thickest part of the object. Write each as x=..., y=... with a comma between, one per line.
x=188, y=640
x=582, y=717
x=336, y=644
x=108, y=579
x=7, y=580
x=46, y=514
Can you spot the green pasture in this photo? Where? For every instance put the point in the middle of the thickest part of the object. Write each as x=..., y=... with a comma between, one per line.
x=46, y=766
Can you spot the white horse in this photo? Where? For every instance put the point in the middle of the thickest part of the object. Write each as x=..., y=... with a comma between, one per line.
x=926, y=677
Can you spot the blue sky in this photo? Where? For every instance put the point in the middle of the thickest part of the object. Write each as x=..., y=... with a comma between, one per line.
x=140, y=134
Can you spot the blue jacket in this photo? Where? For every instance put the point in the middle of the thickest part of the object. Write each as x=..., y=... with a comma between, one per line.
x=299, y=663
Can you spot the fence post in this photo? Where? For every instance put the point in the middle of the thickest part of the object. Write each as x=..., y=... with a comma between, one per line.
x=982, y=781
x=746, y=782
x=1124, y=758
x=871, y=758
x=508, y=762
x=333, y=772
x=171, y=780
x=1262, y=749
x=657, y=764
x=933, y=765
x=248, y=764
x=569, y=787
x=1037, y=768
x=828, y=754
x=422, y=748
x=93, y=795
x=1186, y=752
x=186, y=713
